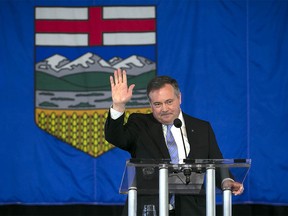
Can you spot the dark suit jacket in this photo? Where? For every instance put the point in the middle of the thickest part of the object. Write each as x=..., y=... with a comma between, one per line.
x=143, y=137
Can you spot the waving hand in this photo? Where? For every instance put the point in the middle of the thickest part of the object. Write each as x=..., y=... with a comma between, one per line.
x=121, y=93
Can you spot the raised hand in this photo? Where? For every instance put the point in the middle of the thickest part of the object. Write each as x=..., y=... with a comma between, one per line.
x=121, y=93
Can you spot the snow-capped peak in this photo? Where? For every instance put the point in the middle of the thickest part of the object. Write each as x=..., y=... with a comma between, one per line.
x=54, y=61
x=82, y=60
x=131, y=60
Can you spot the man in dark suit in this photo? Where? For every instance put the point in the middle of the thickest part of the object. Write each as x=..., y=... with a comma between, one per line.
x=144, y=135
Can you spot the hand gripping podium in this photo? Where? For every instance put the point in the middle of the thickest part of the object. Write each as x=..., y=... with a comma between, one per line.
x=195, y=176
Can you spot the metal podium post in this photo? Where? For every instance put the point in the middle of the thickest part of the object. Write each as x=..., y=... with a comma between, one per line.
x=210, y=191
x=227, y=202
x=163, y=190
x=132, y=201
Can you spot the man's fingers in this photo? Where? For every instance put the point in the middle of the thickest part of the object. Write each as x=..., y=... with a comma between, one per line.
x=124, y=77
x=239, y=191
x=131, y=87
x=120, y=76
x=112, y=82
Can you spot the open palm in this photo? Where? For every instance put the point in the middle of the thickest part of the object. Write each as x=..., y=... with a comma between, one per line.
x=121, y=93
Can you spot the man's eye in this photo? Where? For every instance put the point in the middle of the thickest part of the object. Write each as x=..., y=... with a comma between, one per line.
x=169, y=102
x=157, y=104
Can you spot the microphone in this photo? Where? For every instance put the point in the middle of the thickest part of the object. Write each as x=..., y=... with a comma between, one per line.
x=178, y=123
x=187, y=171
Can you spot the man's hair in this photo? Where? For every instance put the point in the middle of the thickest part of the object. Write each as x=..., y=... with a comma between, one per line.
x=159, y=82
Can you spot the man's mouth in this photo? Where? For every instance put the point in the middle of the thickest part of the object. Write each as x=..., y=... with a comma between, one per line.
x=166, y=114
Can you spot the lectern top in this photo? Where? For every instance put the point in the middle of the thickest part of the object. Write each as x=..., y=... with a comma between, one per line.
x=193, y=163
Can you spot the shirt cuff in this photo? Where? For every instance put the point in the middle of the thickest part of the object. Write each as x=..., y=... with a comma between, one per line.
x=115, y=114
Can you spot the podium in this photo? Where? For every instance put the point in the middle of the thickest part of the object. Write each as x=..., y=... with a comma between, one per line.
x=194, y=176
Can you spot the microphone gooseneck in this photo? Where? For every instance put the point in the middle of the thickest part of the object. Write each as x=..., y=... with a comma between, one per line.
x=187, y=172
x=178, y=123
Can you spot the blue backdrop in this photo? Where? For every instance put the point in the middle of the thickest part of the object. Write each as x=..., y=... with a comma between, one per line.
x=230, y=58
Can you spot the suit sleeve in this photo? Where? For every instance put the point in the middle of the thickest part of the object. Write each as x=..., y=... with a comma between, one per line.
x=118, y=134
x=114, y=131
x=214, y=150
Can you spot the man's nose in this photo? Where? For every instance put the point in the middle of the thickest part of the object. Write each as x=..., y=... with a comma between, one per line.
x=164, y=107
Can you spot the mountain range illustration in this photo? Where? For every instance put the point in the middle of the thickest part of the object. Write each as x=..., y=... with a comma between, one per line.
x=59, y=66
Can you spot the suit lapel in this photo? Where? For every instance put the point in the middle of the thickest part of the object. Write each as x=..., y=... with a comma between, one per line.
x=158, y=138
x=190, y=133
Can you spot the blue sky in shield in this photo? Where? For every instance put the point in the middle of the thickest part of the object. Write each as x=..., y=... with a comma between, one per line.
x=106, y=52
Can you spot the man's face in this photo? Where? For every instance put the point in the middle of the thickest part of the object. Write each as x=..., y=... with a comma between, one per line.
x=165, y=104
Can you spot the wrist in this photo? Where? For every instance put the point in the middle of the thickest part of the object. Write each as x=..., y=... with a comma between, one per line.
x=118, y=107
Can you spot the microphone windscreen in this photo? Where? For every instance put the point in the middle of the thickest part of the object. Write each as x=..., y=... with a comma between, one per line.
x=177, y=123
